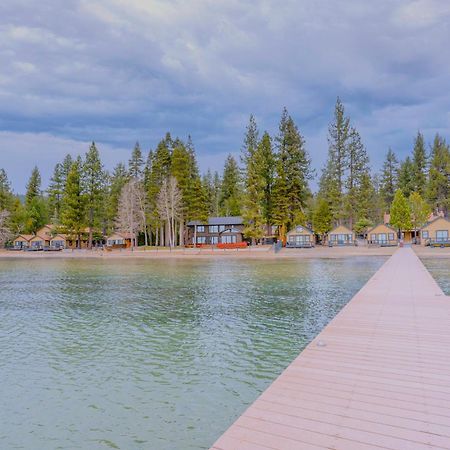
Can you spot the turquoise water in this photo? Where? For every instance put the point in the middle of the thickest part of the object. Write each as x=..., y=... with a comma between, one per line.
x=153, y=354
x=440, y=269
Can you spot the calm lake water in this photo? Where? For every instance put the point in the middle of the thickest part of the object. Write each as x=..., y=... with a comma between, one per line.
x=153, y=354
x=440, y=269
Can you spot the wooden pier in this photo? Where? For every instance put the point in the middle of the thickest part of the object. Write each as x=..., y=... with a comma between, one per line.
x=377, y=377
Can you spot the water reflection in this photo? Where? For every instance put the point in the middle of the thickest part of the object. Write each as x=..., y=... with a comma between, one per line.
x=153, y=354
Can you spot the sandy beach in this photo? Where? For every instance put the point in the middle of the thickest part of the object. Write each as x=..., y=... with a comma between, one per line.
x=259, y=252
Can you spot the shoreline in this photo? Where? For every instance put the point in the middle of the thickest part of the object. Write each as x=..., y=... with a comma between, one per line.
x=258, y=253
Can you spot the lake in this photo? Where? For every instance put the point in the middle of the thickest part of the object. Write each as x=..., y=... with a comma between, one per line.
x=153, y=354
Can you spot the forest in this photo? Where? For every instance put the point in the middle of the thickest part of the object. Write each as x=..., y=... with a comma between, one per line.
x=155, y=194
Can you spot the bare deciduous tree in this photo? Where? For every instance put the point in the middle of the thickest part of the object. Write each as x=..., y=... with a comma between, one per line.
x=5, y=232
x=130, y=218
x=169, y=204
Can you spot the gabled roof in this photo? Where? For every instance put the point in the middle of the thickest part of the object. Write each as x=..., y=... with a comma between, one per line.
x=295, y=229
x=37, y=237
x=56, y=236
x=384, y=225
x=27, y=237
x=226, y=220
x=120, y=234
x=434, y=220
x=341, y=226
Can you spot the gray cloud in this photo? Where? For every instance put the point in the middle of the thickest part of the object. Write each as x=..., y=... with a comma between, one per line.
x=118, y=71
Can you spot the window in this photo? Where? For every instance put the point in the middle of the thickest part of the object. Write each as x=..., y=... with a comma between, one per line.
x=391, y=236
x=200, y=229
x=213, y=229
x=228, y=239
x=221, y=228
x=373, y=237
x=214, y=240
x=425, y=234
x=441, y=235
x=382, y=237
x=201, y=239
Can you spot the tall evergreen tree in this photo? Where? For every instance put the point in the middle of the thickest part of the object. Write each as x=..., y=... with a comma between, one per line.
x=93, y=187
x=231, y=192
x=400, y=212
x=332, y=183
x=406, y=177
x=420, y=211
x=250, y=141
x=36, y=214
x=33, y=186
x=6, y=196
x=55, y=192
x=358, y=184
x=438, y=188
x=291, y=189
x=322, y=217
x=73, y=202
x=389, y=178
x=136, y=163
x=419, y=163
x=117, y=181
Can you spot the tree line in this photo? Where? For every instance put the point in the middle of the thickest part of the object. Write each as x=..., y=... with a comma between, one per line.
x=155, y=195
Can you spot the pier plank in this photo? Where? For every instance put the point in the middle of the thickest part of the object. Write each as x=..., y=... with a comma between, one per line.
x=378, y=376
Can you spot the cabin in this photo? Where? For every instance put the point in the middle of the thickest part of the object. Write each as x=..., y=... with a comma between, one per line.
x=300, y=237
x=341, y=236
x=382, y=235
x=119, y=240
x=436, y=233
x=215, y=231
x=37, y=242
x=58, y=242
x=22, y=241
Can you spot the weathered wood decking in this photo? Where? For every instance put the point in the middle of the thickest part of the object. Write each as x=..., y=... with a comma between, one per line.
x=377, y=377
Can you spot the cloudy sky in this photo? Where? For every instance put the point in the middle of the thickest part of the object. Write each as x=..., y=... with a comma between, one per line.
x=118, y=71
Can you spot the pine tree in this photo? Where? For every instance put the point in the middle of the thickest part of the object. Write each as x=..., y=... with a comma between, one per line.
x=389, y=178
x=419, y=210
x=36, y=213
x=6, y=196
x=231, y=192
x=267, y=160
x=322, y=217
x=250, y=141
x=33, y=186
x=55, y=192
x=117, y=181
x=438, y=188
x=93, y=188
x=291, y=190
x=332, y=182
x=400, y=212
x=136, y=163
x=358, y=183
x=73, y=202
x=406, y=177
x=419, y=165
x=66, y=165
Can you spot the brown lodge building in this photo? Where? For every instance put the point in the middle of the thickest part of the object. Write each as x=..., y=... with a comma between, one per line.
x=216, y=230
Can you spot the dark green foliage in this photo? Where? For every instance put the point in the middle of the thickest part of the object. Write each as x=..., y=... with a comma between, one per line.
x=136, y=163
x=389, y=179
x=55, y=192
x=419, y=163
x=438, y=188
x=73, y=202
x=93, y=189
x=33, y=186
x=291, y=189
x=231, y=190
x=406, y=177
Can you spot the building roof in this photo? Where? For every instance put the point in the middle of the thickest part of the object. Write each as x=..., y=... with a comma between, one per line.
x=381, y=225
x=226, y=220
x=27, y=237
x=122, y=235
x=296, y=229
x=434, y=220
x=341, y=226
